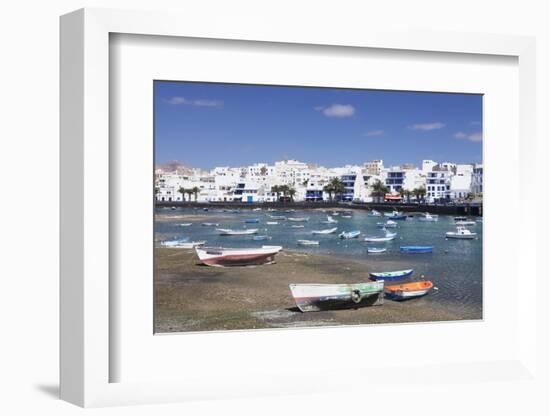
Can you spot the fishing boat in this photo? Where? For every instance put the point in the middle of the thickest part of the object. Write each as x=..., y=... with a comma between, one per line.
x=227, y=231
x=408, y=290
x=395, y=215
x=465, y=223
x=349, y=234
x=461, y=233
x=319, y=297
x=397, y=275
x=173, y=208
x=328, y=231
x=261, y=237
x=174, y=243
x=252, y=220
x=416, y=249
x=277, y=217
x=329, y=220
x=427, y=217
x=387, y=224
x=210, y=224
x=189, y=244
x=272, y=223
x=298, y=219
x=387, y=237
x=232, y=257
x=296, y=226
x=308, y=242
x=186, y=224
x=376, y=250
x=374, y=213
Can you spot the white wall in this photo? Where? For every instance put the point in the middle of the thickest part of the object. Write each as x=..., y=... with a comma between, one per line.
x=29, y=140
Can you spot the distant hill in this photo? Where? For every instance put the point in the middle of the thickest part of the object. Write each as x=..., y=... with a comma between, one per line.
x=175, y=166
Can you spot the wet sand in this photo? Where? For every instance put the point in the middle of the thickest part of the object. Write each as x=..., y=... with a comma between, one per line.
x=193, y=297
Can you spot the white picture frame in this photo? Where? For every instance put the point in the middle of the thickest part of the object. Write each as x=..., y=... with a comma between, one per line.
x=86, y=355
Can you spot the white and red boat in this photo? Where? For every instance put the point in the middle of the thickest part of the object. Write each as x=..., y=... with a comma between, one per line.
x=228, y=257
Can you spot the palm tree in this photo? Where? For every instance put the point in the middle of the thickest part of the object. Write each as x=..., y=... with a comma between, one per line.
x=276, y=189
x=189, y=192
x=379, y=189
x=195, y=191
x=401, y=192
x=182, y=191
x=291, y=193
x=284, y=189
x=338, y=187
x=408, y=194
x=422, y=193
x=329, y=190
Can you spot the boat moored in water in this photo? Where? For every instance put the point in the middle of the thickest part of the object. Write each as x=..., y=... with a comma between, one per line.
x=416, y=249
x=189, y=244
x=234, y=257
x=261, y=237
x=387, y=224
x=376, y=250
x=330, y=220
x=397, y=275
x=252, y=220
x=465, y=223
x=227, y=231
x=210, y=224
x=349, y=234
x=298, y=219
x=461, y=233
x=374, y=213
x=319, y=297
x=427, y=217
x=307, y=242
x=408, y=290
x=328, y=231
x=174, y=243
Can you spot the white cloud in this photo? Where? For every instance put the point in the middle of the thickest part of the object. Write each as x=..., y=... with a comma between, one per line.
x=473, y=137
x=427, y=126
x=196, y=103
x=337, y=110
x=374, y=133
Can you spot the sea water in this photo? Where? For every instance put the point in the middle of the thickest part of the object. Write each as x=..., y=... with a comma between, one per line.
x=454, y=266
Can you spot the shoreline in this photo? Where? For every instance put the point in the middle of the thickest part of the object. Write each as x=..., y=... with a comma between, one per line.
x=190, y=297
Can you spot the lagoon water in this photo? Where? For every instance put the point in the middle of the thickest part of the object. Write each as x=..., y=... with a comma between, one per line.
x=455, y=266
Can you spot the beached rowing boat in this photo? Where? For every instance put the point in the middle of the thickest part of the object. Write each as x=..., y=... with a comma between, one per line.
x=349, y=234
x=175, y=243
x=328, y=231
x=234, y=257
x=408, y=290
x=318, y=297
x=227, y=231
x=416, y=249
x=397, y=275
x=189, y=244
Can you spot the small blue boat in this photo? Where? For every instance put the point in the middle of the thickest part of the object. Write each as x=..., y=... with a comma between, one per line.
x=252, y=220
x=261, y=237
x=397, y=275
x=416, y=249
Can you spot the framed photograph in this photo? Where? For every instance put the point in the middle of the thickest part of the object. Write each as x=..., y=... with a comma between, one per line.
x=242, y=213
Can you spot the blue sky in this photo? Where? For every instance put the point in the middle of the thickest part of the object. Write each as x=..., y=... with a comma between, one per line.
x=209, y=124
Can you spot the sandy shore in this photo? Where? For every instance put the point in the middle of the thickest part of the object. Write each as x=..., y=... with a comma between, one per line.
x=192, y=297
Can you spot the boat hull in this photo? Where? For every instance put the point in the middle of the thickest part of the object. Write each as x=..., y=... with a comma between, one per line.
x=392, y=275
x=415, y=249
x=461, y=236
x=320, y=297
x=408, y=290
x=237, y=258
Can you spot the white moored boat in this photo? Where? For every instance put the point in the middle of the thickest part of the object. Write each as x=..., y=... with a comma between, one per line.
x=317, y=297
x=189, y=244
x=329, y=220
x=308, y=242
x=328, y=231
x=298, y=219
x=461, y=233
x=465, y=223
x=388, y=236
x=231, y=257
x=227, y=231
x=346, y=235
x=427, y=217
x=186, y=224
x=375, y=213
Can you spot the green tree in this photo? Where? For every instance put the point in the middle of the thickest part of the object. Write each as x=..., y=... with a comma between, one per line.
x=276, y=189
x=291, y=193
x=329, y=190
x=182, y=191
x=338, y=187
x=195, y=191
x=379, y=190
